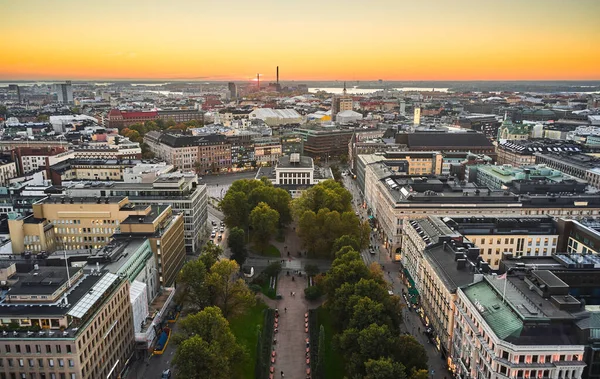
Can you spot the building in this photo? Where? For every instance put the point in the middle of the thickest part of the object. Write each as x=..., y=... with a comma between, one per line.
x=484, y=123
x=341, y=103
x=71, y=224
x=232, y=90
x=325, y=143
x=203, y=153
x=121, y=119
x=579, y=237
x=267, y=150
x=521, y=179
x=500, y=237
x=444, y=142
x=90, y=169
x=294, y=173
x=514, y=132
x=434, y=267
x=84, y=320
x=517, y=327
x=291, y=143
x=61, y=122
x=181, y=115
x=578, y=164
x=348, y=117
x=8, y=170
x=523, y=152
x=242, y=149
x=181, y=191
x=30, y=159
x=392, y=199
x=124, y=149
x=275, y=117
x=64, y=92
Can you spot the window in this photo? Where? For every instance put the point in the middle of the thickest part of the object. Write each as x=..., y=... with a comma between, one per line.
x=27, y=348
x=18, y=348
x=7, y=348
x=51, y=362
x=61, y=363
x=48, y=349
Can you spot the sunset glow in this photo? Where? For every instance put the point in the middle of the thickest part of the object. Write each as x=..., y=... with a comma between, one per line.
x=320, y=40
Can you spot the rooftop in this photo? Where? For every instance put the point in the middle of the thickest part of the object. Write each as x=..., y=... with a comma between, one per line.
x=43, y=281
x=502, y=225
x=295, y=161
x=532, y=146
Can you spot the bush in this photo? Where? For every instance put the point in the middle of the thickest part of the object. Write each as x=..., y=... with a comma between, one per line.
x=255, y=288
x=313, y=293
x=273, y=269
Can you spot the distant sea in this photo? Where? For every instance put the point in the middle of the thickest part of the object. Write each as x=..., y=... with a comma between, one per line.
x=364, y=91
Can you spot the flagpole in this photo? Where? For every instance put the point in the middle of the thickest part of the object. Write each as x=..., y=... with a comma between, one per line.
x=504, y=292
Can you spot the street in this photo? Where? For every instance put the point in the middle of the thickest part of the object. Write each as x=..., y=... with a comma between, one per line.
x=391, y=270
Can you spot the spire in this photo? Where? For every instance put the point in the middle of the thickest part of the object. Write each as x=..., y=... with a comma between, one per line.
x=344, y=88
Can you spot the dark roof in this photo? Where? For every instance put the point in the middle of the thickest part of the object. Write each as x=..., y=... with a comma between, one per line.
x=155, y=212
x=446, y=140
x=43, y=281
x=180, y=140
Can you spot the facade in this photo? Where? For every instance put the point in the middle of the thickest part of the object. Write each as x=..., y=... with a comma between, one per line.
x=8, y=170
x=90, y=169
x=89, y=335
x=124, y=150
x=34, y=159
x=71, y=224
x=267, y=150
x=394, y=199
x=181, y=115
x=579, y=237
x=181, y=191
x=201, y=153
x=324, y=143
x=578, y=164
x=64, y=92
x=120, y=119
x=523, y=152
x=514, y=132
x=500, y=331
x=291, y=143
x=294, y=173
x=499, y=237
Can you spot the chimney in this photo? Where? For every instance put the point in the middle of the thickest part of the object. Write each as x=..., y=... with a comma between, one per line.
x=277, y=74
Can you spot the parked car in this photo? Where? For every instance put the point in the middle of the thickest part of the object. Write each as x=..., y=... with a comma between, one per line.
x=214, y=223
x=222, y=223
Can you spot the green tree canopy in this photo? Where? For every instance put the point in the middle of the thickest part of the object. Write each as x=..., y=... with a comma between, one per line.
x=264, y=221
x=229, y=293
x=384, y=368
x=207, y=335
x=237, y=243
x=210, y=254
x=193, y=279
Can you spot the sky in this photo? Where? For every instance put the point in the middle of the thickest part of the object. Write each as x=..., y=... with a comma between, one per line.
x=307, y=39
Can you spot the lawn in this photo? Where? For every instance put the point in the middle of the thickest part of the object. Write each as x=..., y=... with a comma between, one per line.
x=245, y=327
x=334, y=362
x=271, y=251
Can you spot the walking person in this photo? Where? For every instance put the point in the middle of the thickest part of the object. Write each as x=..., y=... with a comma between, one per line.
x=282, y=374
x=284, y=310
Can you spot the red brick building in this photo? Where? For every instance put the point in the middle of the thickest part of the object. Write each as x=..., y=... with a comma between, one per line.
x=120, y=119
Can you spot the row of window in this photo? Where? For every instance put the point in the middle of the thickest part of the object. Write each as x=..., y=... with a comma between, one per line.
x=31, y=362
x=38, y=349
x=34, y=375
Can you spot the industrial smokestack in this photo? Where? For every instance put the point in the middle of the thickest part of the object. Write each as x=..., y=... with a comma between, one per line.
x=277, y=74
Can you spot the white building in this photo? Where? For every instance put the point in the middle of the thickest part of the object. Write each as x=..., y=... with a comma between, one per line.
x=59, y=122
x=8, y=170
x=516, y=328
x=348, y=117
x=295, y=173
x=273, y=117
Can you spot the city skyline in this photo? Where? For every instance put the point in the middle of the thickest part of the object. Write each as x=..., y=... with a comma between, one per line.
x=152, y=40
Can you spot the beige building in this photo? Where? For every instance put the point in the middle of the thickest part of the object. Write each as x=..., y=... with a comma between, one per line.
x=86, y=334
x=394, y=199
x=71, y=223
x=8, y=170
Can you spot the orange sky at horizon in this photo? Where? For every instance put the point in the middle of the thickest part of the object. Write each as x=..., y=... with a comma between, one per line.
x=308, y=40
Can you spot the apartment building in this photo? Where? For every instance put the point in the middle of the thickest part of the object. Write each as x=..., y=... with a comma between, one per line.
x=121, y=119
x=436, y=262
x=8, y=170
x=121, y=151
x=90, y=169
x=394, y=199
x=181, y=115
x=498, y=237
x=71, y=223
x=579, y=236
x=83, y=323
x=179, y=190
x=446, y=142
x=201, y=153
x=580, y=165
x=29, y=159
x=523, y=152
x=506, y=176
x=267, y=150
x=517, y=327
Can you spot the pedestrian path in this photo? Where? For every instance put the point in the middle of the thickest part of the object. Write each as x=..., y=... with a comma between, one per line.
x=291, y=336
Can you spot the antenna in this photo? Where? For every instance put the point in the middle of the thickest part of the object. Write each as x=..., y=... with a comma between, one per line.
x=67, y=267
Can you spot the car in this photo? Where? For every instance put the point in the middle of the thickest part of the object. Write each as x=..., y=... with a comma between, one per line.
x=222, y=229
x=391, y=293
x=222, y=223
x=214, y=223
x=220, y=237
x=213, y=235
x=166, y=374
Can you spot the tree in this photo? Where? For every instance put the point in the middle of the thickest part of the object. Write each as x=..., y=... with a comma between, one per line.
x=411, y=353
x=384, y=368
x=321, y=354
x=344, y=241
x=210, y=254
x=343, y=159
x=312, y=293
x=193, y=279
x=237, y=243
x=170, y=123
x=207, y=333
x=337, y=174
x=263, y=220
x=311, y=269
x=230, y=294
x=273, y=269
x=235, y=208
x=419, y=374
x=3, y=110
